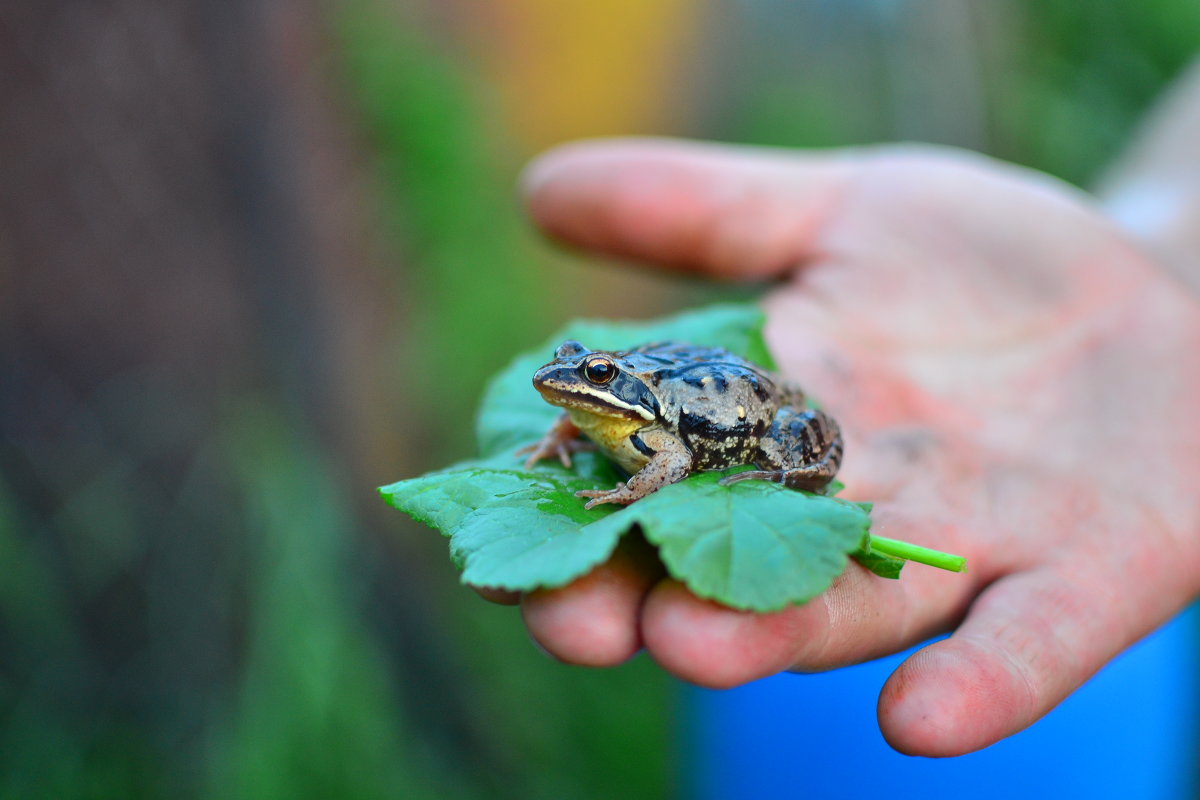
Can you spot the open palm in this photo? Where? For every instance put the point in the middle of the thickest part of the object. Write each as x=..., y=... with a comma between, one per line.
x=1016, y=383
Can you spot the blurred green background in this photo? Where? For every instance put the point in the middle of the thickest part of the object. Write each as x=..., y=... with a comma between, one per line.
x=257, y=259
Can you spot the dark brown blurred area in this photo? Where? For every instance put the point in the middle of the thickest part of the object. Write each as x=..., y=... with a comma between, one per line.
x=177, y=165
x=178, y=235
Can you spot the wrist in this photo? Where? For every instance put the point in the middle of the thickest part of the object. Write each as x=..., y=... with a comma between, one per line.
x=1153, y=189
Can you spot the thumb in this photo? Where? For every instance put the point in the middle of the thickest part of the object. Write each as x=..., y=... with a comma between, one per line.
x=724, y=211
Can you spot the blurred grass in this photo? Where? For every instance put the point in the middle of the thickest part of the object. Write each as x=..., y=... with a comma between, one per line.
x=478, y=291
x=474, y=286
x=1080, y=84
x=309, y=716
x=1060, y=86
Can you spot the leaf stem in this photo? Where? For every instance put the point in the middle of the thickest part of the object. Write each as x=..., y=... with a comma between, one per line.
x=913, y=552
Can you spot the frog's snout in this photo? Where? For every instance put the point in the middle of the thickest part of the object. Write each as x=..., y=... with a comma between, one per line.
x=549, y=378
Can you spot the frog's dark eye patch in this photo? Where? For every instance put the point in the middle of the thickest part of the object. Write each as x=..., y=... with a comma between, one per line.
x=599, y=370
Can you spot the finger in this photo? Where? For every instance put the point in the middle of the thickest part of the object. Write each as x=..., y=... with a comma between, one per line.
x=860, y=617
x=1030, y=640
x=594, y=620
x=502, y=597
x=732, y=212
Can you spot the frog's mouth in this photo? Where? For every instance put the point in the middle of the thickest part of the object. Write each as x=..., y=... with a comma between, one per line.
x=561, y=386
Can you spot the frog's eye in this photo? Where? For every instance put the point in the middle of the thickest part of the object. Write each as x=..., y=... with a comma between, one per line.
x=599, y=369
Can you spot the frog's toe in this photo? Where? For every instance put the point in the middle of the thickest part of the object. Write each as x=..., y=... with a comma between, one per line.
x=564, y=455
x=600, y=492
x=618, y=494
x=565, y=449
x=537, y=455
x=808, y=479
x=754, y=474
x=553, y=448
x=590, y=504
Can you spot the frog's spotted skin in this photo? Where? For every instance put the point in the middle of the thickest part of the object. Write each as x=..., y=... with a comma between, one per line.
x=665, y=410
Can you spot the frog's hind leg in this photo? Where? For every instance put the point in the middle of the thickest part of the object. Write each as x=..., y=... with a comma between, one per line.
x=803, y=450
x=792, y=395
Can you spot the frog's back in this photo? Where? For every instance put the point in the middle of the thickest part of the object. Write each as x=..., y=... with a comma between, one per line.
x=719, y=403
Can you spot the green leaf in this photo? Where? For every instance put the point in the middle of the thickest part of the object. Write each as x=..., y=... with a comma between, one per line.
x=881, y=565
x=751, y=545
x=511, y=528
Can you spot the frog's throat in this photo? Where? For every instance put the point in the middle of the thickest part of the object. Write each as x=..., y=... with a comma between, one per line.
x=613, y=436
x=609, y=406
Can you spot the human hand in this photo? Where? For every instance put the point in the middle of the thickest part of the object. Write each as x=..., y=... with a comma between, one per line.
x=1015, y=382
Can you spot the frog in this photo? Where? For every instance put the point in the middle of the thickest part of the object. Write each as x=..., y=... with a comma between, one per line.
x=665, y=410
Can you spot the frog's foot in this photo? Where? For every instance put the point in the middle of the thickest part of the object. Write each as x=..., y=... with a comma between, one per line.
x=559, y=449
x=560, y=442
x=621, y=494
x=670, y=463
x=756, y=475
x=814, y=478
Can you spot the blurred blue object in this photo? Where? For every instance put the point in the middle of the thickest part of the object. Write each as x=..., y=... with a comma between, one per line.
x=1133, y=731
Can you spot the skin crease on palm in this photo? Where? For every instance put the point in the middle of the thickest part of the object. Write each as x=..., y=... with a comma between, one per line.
x=1017, y=383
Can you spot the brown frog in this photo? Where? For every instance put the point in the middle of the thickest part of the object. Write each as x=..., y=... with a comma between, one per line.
x=665, y=410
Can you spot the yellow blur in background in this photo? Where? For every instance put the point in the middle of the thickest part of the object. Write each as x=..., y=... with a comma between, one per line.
x=572, y=70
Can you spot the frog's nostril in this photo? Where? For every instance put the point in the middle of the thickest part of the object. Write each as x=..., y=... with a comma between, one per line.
x=551, y=376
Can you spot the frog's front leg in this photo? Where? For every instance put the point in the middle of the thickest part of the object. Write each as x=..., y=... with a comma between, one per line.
x=670, y=462
x=802, y=450
x=561, y=440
